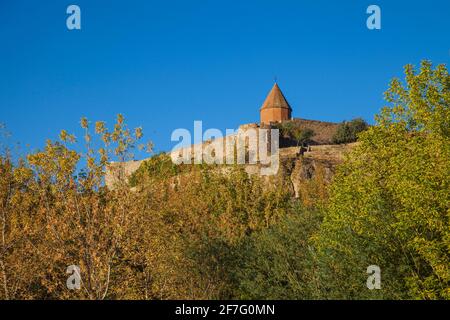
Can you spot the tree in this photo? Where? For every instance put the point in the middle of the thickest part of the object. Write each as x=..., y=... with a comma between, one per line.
x=302, y=136
x=390, y=203
x=54, y=215
x=279, y=262
x=348, y=131
x=291, y=130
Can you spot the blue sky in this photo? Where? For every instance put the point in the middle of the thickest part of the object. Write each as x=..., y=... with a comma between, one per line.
x=164, y=64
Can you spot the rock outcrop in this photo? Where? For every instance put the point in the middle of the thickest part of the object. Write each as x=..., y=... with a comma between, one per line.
x=305, y=172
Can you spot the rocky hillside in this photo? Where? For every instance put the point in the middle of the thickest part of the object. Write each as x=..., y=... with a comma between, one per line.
x=306, y=172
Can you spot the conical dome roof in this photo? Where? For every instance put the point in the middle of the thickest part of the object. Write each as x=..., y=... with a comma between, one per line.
x=275, y=99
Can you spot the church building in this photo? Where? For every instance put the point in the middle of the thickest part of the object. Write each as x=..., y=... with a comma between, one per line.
x=275, y=108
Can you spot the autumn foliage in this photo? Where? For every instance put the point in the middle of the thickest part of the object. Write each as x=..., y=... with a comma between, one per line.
x=206, y=232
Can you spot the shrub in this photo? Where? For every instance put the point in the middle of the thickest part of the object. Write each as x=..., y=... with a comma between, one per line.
x=348, y=131
x=278, y=263
x=291, y=130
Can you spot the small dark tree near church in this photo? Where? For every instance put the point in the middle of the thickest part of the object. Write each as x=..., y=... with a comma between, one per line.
x=302, y=136
x=290, y=130
x=348, y=131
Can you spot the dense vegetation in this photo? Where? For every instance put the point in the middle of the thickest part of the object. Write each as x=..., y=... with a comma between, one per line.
x=348, y=131
x=290, y=130
x=196, y=232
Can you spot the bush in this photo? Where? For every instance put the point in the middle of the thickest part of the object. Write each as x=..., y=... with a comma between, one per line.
x=348, y=131
x=278, y=263
x=156, y=168
x=291, y=130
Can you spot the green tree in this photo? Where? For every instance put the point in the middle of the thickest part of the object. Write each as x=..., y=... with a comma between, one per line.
x=390, y=200
x=279, y=262
x=291, y=130
x=302, y=136
x=348, y=131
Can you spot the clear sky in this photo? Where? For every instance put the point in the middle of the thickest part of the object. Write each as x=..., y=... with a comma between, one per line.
x=164, y=64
